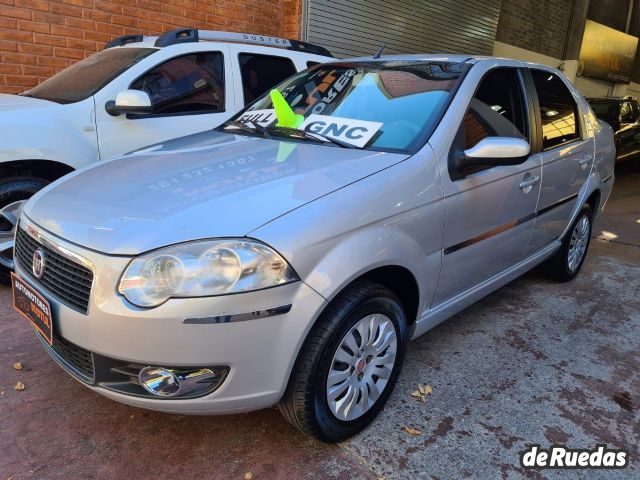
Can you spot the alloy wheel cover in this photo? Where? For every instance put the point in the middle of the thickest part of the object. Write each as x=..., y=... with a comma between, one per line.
x=361, y=367
x=578, y=243
x=9, y=216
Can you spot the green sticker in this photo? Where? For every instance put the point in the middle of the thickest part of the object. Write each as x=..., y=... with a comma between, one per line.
x=286, y=116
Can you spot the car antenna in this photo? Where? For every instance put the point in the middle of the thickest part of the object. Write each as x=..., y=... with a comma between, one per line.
x=384, y=45
x=379, y=52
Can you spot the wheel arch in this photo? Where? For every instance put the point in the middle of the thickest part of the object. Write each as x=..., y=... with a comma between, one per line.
x=401, y=282
x=46, y=169
x=594, y=201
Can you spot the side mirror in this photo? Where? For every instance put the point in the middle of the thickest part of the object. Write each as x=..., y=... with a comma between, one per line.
x=129, y=101
x=489, y=152
x=495, y=150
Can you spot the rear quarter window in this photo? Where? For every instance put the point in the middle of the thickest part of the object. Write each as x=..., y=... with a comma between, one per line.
x=261, y=73
x=558, y=110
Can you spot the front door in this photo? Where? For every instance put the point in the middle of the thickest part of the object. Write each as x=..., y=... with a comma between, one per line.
x=489, y=212
x=190, y=93
x=567, y=156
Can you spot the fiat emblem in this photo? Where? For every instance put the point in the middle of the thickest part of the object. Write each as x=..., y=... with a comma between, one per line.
x=38, y=263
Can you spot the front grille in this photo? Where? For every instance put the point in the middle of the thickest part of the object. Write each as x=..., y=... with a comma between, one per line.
x=76, y=360
x=66, y=279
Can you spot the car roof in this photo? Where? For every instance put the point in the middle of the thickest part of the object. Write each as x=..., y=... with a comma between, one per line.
x=453, y=58
x=427, y=57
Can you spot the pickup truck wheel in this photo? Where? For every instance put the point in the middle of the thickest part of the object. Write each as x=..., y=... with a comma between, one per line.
x=348, y=364
x=567, y=262
x=14, y=191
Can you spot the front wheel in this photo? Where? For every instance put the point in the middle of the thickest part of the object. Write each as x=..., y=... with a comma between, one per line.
x=348, y=365
x=14, y=192
x=567, y=262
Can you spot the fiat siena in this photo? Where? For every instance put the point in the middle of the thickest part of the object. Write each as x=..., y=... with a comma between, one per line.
x=289, y=256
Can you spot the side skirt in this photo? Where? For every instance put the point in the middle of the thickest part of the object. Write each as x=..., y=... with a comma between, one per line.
x=441, y=312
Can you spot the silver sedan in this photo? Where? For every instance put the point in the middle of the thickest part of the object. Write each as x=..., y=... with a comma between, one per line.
x=288, y=256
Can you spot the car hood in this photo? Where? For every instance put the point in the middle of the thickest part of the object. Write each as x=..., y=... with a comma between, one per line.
x=10, y=103
x=203, y=186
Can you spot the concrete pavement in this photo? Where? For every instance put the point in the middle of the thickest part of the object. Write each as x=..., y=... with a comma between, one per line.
x=536, y=362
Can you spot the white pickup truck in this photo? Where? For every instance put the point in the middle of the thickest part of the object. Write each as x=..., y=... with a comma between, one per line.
x=136, y=92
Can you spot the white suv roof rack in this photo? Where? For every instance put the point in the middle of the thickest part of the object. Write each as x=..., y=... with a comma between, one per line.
x=190, y=35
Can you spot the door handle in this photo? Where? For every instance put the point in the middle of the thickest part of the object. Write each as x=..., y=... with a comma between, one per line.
x=528, y=183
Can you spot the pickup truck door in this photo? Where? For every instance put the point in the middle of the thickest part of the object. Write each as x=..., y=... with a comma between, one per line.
x=191, y=92
x=567, y=156
x=489, y=212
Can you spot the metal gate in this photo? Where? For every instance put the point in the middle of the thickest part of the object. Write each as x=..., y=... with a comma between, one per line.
x=360, y=27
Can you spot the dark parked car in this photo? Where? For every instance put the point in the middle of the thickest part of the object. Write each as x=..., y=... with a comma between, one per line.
x=623, y=114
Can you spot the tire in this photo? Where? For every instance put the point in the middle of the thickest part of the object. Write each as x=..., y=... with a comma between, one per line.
x=560, y=267
x=13, y=189
x=305, y=403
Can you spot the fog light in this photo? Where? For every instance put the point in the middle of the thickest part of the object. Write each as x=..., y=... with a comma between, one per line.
x=159, y=381
x=178, y=382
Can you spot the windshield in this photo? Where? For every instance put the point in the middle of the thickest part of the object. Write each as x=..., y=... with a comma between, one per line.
x=86, y=77
x=607, y=111
x=378, y=105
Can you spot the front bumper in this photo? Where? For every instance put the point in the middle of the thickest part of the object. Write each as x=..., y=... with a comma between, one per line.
x=259, y=352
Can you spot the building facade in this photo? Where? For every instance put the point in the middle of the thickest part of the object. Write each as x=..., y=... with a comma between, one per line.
x=40, y=37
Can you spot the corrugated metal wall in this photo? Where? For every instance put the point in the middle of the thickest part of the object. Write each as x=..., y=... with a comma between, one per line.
x=360, y=27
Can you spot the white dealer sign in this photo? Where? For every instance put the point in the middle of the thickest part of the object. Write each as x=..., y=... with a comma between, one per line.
x=355, y=132
x=261, y=117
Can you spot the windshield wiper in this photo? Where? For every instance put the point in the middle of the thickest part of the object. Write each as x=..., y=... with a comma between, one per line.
x=247, y=126
x=316, y=137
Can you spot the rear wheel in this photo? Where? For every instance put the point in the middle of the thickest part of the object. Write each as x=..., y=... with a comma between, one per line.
x=348, y=365
x=14, y=192
x=567, y=262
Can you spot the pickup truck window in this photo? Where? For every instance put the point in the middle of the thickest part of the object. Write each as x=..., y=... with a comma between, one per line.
x=261, y=73
x=189, y=83
x=558, y=110
x=88, y=76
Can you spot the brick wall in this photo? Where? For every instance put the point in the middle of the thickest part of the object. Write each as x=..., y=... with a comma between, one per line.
x=537, y=25
x=40, y=37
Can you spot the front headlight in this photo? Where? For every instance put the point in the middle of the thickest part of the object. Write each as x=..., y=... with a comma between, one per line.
x=201, y=269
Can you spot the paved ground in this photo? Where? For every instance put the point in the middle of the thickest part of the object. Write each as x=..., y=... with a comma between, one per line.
x=536, y=362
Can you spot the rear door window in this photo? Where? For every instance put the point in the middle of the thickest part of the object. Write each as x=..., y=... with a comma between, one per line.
x=558, y=110
x=497, y=108
x=261, y=73
x=191, y=83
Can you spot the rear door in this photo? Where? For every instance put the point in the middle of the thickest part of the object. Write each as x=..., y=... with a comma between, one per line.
x=489, y=211
x=567, y=156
